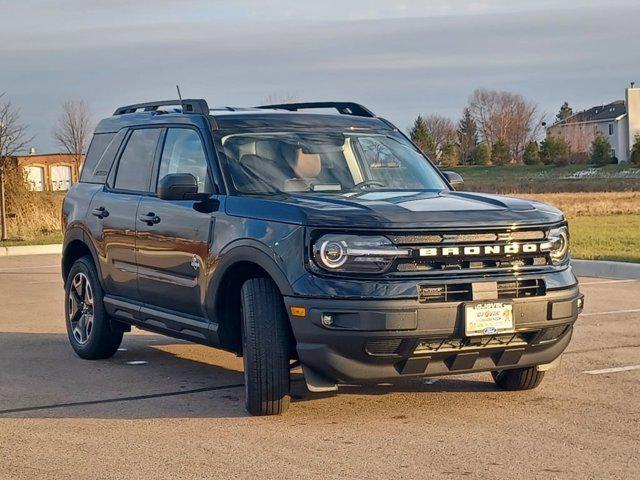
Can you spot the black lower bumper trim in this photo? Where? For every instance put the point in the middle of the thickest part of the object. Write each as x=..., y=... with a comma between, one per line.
x=437, y=346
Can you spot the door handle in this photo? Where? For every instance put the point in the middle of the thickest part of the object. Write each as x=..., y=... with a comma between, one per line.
x=100, y=212
x=150, y=218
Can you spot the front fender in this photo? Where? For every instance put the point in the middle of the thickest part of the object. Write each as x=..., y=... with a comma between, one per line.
x=246, y=251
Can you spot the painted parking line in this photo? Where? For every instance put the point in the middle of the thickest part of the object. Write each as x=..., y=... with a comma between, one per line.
x=604, y=282
x=29, y=267
x=612, y=312
x=612, y=370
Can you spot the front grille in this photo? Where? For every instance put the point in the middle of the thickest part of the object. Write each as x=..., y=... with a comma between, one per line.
x=445, y=345
x=455, y=238
x=521, y=288
x=463, y=292
x=458, y=292
x=461, y=252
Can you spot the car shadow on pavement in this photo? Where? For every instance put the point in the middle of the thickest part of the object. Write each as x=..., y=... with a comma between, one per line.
x=152, y=377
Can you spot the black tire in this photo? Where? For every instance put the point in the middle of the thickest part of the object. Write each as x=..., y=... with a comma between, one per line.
x=99, y=339
x=266, y=348
x=518, y=379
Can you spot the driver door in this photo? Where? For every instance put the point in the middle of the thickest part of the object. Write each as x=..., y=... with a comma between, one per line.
x=173, y=236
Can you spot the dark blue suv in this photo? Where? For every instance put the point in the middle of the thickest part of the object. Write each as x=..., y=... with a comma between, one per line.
x=293, y=236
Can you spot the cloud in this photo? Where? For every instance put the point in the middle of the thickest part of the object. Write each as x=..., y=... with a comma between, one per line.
x=398, y=66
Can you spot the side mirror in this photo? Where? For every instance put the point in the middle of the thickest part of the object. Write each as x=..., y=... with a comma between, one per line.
x=455, y=179
x=180, y=186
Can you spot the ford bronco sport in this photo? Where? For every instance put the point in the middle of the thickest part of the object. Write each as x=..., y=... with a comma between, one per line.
x=292, y=236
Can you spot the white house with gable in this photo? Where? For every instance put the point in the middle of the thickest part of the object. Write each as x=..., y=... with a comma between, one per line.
x=618, y=121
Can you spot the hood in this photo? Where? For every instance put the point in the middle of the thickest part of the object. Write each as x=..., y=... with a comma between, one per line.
x=387, y=209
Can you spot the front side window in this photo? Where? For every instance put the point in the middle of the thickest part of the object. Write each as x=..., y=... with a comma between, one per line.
x=330, y=162
x=183, y=153
x=136, y=162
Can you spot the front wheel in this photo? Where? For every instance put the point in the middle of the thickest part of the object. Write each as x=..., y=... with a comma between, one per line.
x=266, y=342
x=518, y=379
x=88, y=326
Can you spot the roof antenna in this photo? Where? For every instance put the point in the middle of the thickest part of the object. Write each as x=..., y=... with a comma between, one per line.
x=180, y=97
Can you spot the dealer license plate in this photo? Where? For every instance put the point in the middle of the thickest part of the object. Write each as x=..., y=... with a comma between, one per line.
x=488, y=318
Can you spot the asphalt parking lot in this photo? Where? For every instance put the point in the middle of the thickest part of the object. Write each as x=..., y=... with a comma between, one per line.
x=163, y=408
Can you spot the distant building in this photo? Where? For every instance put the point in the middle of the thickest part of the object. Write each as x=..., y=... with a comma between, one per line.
x=618, y=121
x=49, y=172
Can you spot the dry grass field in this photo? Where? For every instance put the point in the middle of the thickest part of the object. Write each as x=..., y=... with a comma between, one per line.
x=33, y=217
x=603, y=225
x=576, y=204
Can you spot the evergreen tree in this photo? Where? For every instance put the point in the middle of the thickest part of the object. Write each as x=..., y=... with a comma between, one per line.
x=449, y=155
x=565, y=112
x=467, y=137
x=500, y=154
x=600, y=150
x=635, y=151
x=481, y=155
x=421, y=136
x=531, y=154
x=554, y=151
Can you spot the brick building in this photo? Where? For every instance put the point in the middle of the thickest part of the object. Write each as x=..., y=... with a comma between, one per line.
x=50, y=172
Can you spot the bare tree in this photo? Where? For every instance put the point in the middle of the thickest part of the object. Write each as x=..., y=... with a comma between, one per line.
x=507, y=117
x=441, y=129
x=578, y=135
x=13, y=134
x=13, y=139
x=74, y=128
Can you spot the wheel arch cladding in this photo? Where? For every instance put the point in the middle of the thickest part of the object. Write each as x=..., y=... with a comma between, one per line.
x=75, y=247
x=237, y=266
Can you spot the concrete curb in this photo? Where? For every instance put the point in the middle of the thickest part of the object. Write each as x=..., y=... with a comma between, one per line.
x=30, y=250
x=606, y=269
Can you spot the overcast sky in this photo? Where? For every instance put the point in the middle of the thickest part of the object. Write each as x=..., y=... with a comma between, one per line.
x=399, y=58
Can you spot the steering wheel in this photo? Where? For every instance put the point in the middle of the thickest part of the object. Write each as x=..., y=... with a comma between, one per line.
x=367, y=183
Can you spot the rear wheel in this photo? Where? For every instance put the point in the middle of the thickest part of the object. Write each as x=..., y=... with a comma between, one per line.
x=518, y=379
x=266, y=343
x=89, y=328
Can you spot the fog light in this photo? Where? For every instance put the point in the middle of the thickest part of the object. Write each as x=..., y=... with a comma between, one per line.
x=580, y=303
x=327, y=320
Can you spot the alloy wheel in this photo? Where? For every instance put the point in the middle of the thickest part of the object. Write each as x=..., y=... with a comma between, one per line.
x=81, y=308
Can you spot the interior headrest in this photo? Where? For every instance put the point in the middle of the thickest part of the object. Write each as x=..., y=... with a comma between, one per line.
x=308, y=165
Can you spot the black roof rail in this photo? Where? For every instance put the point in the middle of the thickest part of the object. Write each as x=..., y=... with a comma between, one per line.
x=188, y=106
x=345, y=108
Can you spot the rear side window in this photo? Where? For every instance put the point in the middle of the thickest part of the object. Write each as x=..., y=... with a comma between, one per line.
x=136, y=161
x=98, y=146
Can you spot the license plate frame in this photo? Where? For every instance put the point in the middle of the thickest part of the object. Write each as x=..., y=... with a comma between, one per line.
x=498, y=319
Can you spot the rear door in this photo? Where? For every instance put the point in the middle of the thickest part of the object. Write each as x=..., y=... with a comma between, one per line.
x=173, y=237
x=112, y=213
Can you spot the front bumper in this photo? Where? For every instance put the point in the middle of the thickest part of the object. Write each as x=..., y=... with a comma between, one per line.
x=370, y=341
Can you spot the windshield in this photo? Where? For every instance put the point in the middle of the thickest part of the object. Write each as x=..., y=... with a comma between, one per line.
x=328, y=162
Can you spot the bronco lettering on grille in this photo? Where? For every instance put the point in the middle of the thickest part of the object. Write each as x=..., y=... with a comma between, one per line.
x=472, y=250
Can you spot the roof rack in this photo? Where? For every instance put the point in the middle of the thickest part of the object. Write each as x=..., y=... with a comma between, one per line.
x=188, y=106
x=345, y=108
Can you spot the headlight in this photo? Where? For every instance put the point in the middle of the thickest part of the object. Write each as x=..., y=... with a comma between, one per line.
x=557, y=245
x=352, y=253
